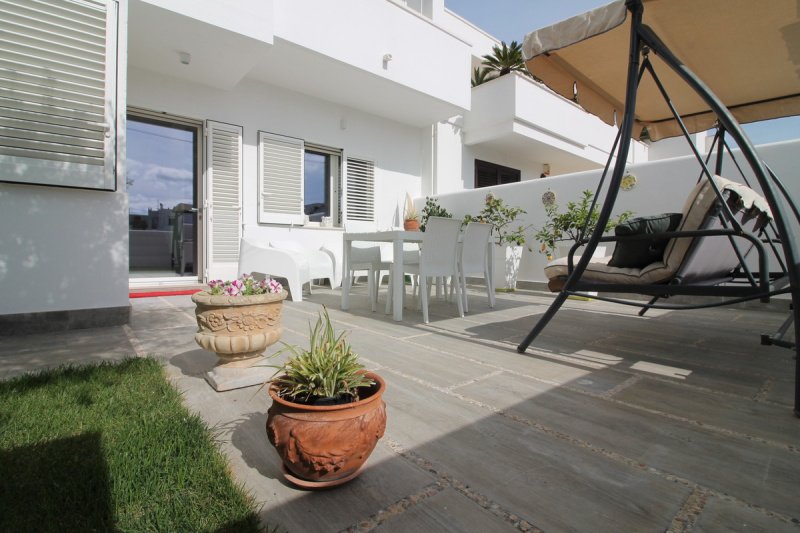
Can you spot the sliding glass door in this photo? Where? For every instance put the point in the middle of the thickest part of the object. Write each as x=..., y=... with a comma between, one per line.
x=163, y=179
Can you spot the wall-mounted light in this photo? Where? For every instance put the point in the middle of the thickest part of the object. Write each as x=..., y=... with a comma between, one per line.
x=386, y=59
x=185, y=57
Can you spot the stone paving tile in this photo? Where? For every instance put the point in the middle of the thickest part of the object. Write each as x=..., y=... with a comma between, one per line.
x=440, y=369
x=722, y=515
x=767, y=421
x=29, y=353
x=551, y=484
x=747, y=469
x=445, y=511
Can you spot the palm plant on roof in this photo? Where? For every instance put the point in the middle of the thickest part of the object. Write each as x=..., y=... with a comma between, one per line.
x=505, y=59
x=481, y=75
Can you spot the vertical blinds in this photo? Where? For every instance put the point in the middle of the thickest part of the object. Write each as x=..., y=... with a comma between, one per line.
x=57, y=86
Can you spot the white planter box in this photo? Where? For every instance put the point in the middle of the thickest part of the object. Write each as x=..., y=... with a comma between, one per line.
x=505, y=261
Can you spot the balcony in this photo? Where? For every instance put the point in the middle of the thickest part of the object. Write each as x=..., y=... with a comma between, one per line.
x=374, y=56
x=515, y=113
x=224, y=41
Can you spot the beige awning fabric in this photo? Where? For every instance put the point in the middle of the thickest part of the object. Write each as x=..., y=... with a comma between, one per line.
x=746, y=51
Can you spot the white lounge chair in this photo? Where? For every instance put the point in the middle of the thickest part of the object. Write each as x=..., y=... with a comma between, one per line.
x=287, y=260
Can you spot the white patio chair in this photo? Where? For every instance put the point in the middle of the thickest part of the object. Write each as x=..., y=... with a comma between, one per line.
x=437, y=257
x=474, y=259
x=368, y=258
x=298, y=267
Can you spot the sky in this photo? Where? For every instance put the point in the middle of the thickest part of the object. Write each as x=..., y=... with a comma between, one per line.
x=510, y=20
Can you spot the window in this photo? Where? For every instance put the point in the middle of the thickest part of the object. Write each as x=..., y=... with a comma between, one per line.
x=321, y=183
x=299, y=180
x=488, y=174
x=58, y=99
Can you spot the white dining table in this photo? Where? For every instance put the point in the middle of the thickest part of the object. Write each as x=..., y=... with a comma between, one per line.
x=397, y=238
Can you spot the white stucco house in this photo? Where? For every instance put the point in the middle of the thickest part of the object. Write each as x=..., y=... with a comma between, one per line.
x=139, y=135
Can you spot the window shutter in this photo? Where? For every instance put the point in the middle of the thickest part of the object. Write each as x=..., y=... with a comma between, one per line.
x=224, y=174
x=58, y=62
x=360, y=190
x=280, y=179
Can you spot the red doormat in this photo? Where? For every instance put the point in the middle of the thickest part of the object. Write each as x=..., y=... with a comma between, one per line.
x=153, y=294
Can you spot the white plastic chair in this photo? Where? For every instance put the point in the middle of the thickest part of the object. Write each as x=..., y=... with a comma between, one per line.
x=297, y=267
x=437, y=257
x=474, y=259
x=368, y=258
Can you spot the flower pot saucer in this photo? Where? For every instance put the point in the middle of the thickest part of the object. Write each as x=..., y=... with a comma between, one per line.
x=318, y=485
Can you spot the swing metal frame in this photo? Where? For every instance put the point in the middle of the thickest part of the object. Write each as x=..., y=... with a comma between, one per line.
x=745, y=283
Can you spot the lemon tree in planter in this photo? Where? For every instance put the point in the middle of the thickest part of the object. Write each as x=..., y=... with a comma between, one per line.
x=509, y=238
x=327, y=411
x=569, y=225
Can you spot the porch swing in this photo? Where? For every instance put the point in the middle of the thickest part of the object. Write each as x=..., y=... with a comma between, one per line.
x=729, y=232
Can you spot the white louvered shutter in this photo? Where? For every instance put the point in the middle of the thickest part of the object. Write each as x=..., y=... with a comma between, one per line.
x=58, y=92
x=224, y=198
x=280, y=179
x=360, y=190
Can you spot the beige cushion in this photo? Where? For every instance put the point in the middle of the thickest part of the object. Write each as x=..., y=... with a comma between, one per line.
x=694, y=212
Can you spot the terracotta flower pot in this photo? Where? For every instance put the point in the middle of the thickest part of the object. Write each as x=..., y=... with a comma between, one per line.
x=238, y=328
x=411, y=225
x=325, y=446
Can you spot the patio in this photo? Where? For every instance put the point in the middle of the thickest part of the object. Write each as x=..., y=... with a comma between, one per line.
x=610, y=422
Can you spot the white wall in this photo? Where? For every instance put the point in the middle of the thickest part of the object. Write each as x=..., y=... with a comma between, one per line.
x=67, y=249
x=662, y=187
x=361, y=32
x=251, y=18
x=396, y=149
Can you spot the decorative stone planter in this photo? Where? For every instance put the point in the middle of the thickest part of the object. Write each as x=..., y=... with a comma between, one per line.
x=238, y=329
x=326, y=445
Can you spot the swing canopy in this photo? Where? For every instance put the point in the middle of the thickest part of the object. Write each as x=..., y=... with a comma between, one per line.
x=752, y=67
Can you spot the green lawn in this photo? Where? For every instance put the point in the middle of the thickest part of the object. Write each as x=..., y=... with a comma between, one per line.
x=111, y=447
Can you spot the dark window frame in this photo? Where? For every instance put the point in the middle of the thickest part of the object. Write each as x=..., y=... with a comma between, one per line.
x=502, y=174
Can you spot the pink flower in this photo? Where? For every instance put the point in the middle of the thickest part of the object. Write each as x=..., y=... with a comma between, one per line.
x=232, y=290
x=274, y=286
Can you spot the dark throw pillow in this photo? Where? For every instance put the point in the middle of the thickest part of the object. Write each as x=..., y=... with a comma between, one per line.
x=640, y=253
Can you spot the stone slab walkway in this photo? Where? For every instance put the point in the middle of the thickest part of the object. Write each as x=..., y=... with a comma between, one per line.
x=676, y=421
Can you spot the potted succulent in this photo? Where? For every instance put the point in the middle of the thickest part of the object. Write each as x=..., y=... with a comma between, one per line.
x=410, y=216
x=509, y=239
x=569, y=225
x=327, y=412
x=238, y=319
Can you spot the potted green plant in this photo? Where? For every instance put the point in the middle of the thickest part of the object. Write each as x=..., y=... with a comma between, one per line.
x=410, y=215
x=509, y=238
x=327, y=411
x=238, y=319
x=433, y=209
x=569, y=225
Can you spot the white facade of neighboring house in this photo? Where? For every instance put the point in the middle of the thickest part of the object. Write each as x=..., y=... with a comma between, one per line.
x=381, y=87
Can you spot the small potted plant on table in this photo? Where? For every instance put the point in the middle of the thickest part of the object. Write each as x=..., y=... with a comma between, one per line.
x=327, y=412
x=410, y=216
